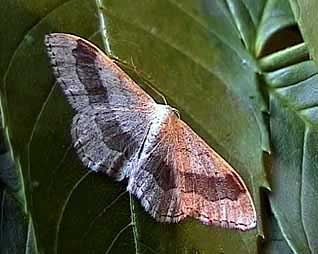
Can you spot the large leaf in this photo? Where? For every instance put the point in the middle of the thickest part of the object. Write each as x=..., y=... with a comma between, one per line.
x=275, y=243
x=293, y=97
x=193, y=54
x=305, y=14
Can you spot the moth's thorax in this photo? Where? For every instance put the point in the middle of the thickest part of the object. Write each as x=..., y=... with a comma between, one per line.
x=160, y=118
x=163, y=112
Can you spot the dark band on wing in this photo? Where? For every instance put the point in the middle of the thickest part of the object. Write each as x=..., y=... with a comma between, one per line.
x=162, y=172
x=210, y=188
x=88, y=74
x=112, y=134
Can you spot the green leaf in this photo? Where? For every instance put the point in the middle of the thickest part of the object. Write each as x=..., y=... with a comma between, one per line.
x=275, y=242
x=305, y=15
x=293, y=97
x=295, y=142
x=193, y=54
x=277, y=15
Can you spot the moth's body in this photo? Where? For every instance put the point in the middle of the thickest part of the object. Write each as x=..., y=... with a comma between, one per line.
x=160, y=117
x=121, y=131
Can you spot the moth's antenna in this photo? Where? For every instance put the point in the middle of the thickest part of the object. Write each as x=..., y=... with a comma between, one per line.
x=176, y=112
x=148, y=83
x=157, y=92
x=132, y=63
x=140, y=75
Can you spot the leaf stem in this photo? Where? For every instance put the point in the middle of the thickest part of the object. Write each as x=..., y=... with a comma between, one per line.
x=103, y=26
x=133, y=222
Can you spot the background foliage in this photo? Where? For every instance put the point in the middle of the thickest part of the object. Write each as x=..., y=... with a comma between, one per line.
x=240, y=75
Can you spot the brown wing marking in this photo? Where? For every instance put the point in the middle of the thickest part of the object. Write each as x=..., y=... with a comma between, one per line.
x=112, y=111
x=183, y=177
x=211, y=190
x=107, y=140
x=155, y=180
x=87, y=76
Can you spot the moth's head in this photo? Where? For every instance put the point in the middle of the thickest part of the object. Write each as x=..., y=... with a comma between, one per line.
x=167, y=110
x=175, y=111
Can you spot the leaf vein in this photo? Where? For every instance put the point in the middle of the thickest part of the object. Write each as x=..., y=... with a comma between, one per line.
x=116, y=237
x=59, y=221
x=102, y=212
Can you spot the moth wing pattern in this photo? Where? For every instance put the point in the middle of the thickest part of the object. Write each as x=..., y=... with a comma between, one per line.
x=173, y=172
x=183, y=177
x=88, y=76
x=108, y=140
x=112, y=113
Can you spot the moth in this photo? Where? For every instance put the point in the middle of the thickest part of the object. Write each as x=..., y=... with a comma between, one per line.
x=119, y=130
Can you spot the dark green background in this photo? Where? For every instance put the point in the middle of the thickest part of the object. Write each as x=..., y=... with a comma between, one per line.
x=203, y=56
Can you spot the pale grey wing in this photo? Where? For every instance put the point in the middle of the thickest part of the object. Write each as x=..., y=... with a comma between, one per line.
x=108, y=139
x=87, y=76
x=183, y=177
x=112, y=111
